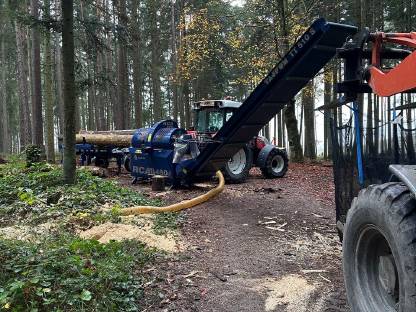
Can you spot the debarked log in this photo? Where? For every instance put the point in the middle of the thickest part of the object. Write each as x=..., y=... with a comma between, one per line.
x=116, y=140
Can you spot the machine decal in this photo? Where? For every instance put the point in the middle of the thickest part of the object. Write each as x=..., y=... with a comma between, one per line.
x=150, y=171
x=292, y=53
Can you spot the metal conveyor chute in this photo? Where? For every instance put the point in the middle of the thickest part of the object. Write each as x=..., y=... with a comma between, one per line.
x=305, y=59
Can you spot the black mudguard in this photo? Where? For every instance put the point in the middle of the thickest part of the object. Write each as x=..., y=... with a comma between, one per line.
x=262, y=157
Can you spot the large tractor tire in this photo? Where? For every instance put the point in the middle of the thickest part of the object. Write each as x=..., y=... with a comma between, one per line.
x=276, y=164
x=379, y=250
x=238, y=167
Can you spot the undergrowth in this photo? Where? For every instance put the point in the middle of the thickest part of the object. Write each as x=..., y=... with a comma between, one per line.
x=35, y=194
x=70, y=274
x=60, y=271
x=165, y=222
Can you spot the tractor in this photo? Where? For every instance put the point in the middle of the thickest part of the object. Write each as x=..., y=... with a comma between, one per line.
x=211, y=115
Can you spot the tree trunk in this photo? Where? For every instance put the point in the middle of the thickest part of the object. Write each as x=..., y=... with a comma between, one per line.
x=59, y=87
x=100, y=121
x=137, y=64
x=156, y=60
x=187, y=105
x=174, y=62
x=68, y=55
x=410, y=144
x=295, y=148
x=309, y=113
x=111, y=90
x=369, y=142
x=376, y=124
x=121, y=110
x=50, y=142
x=91, y=96
x=22, y=71
x=283, y=129
x=267, y=131
x=280, y=129
x=112, y=102
x=5, y=136
x=37, y=120
x=327, y=114
x=389, y=134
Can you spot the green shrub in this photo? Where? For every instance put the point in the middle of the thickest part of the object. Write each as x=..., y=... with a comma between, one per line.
x=33, y=155
x=37, y=193
x=71, y=274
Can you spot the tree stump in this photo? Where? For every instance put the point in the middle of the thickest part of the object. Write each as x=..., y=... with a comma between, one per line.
x=158, y=183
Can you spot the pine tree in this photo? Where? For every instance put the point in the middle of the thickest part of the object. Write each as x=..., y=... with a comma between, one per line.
x=68, y=61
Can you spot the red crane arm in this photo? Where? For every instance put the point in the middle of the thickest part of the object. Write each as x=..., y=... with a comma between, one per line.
x=402, y=77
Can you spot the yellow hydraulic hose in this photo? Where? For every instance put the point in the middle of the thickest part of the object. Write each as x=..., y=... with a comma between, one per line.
x=179, y=206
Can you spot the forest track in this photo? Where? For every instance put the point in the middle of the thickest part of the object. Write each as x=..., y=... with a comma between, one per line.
x=265, y=245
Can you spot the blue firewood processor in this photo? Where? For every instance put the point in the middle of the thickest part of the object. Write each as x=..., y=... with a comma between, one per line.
x=153, y=151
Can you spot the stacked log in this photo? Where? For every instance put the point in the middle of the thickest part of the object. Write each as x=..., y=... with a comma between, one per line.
x=117, y=140
x=106, y=132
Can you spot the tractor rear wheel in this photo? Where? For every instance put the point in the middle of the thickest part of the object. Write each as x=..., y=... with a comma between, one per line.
x=277, y=164
x=379, y=250
x=238, y=167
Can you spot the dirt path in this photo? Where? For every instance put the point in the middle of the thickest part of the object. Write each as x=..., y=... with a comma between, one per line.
x=266, y=245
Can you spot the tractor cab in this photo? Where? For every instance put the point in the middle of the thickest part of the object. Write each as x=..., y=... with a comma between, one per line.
x=211, y=115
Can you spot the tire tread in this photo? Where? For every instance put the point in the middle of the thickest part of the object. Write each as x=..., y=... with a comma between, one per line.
x=398, y=209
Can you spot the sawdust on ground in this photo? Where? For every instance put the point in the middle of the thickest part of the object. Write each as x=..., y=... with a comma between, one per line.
x=117, y=231
x=292, y=291
x=26, y=232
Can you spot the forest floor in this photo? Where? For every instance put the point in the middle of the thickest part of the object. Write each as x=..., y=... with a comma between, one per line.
x=265, y=245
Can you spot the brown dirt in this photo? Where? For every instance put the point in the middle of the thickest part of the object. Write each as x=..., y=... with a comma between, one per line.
x=265, y=245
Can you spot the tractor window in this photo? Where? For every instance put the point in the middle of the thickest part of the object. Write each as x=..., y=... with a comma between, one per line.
x=201, y=120
x=209, y=120
x=215, y=121
x=212, y=119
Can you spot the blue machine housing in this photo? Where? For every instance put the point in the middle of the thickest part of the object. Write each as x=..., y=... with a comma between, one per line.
x=152, y=150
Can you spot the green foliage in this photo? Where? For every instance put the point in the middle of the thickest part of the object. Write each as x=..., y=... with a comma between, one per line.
x=61, y=272
x=71, y=274
x=33, y=155
x=165, y=222
x=37, y=193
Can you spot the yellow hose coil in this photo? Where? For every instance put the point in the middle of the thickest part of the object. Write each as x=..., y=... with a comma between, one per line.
x=179, y=206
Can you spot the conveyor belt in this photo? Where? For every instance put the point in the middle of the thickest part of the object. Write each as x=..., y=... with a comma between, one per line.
x=305, y=59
